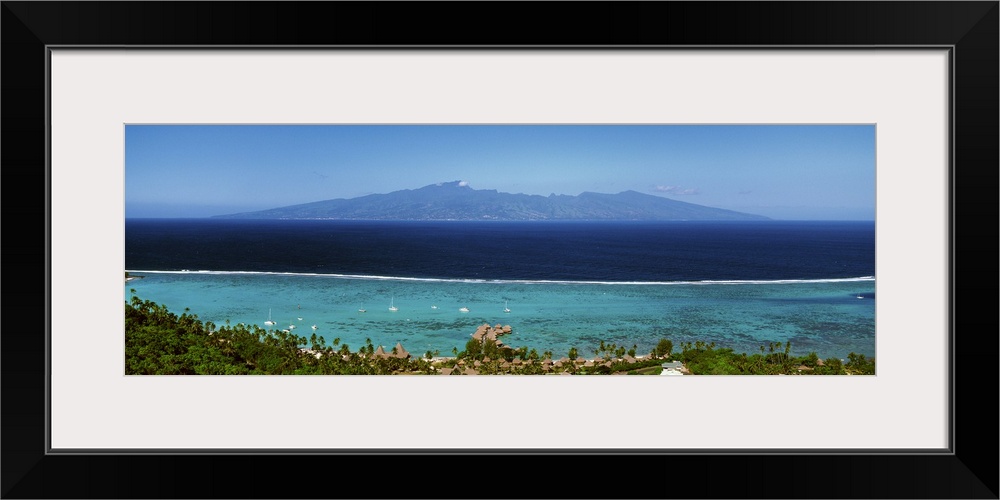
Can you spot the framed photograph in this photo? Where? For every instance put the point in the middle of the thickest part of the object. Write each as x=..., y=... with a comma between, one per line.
x=169, y=143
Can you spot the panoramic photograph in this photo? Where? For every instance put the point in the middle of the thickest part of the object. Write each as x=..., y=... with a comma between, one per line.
x=499, y=250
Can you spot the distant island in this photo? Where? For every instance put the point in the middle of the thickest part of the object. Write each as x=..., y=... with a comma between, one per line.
x=457, y=201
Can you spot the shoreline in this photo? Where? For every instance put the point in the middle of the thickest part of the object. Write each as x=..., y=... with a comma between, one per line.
x=261, y=351
x=537, y=311
x=441, y=359
x=438, y=363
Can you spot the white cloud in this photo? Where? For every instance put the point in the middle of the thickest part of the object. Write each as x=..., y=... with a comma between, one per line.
x=675, y=190
x=463, y=183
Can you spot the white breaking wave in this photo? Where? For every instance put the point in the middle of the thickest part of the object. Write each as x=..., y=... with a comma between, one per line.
x=515, y=281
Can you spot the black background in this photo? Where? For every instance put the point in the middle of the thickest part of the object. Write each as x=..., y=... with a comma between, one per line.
x=970, y=472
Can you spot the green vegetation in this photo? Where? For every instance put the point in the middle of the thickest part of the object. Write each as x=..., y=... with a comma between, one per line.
x=649, y=370
x=857, y=364
x=160, y=342
x=665, y=347
x=775, y=359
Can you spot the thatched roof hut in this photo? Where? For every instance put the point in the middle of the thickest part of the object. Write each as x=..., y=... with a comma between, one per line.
x=480, y=333
x=401, y=351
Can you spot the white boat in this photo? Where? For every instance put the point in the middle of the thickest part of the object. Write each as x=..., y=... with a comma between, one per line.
x=464, y=309
x=505, y=308
x=362, y=310
x=392, y=306
x=300, y=319
x=861, y=296
x=291, y=327
x=434, y=307
x=269, y=322
x=314, y=327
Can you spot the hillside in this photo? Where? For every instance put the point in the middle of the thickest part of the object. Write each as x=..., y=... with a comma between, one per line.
x=457, y=201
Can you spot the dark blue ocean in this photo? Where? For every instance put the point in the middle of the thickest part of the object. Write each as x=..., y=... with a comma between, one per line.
x=566, y=284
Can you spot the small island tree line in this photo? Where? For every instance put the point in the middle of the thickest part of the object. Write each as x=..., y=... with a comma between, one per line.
x=160, y=342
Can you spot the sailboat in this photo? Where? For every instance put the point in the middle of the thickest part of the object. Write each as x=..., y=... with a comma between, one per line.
x=269, y=322
x=505, y=308
x=463, y=309
x=392, y=307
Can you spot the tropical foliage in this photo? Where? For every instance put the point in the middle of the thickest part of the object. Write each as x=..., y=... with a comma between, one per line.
x=159, y=342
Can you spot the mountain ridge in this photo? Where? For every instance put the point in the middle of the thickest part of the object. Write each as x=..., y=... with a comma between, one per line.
x=456, y=200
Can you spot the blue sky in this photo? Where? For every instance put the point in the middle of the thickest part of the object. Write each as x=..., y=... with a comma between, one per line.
x=793, y=172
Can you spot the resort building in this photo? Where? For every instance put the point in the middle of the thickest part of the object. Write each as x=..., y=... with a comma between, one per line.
x=672, y=368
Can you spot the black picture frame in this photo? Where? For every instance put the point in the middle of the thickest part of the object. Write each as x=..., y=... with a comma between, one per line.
x=969, y=28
